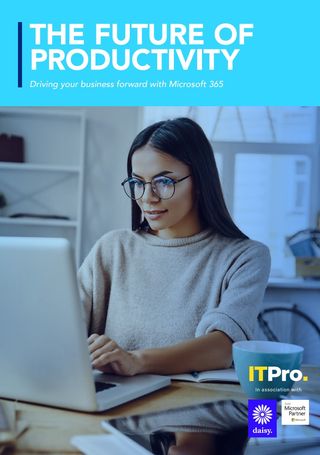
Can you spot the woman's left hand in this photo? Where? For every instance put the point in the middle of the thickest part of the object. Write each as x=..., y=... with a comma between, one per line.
x=108, y=357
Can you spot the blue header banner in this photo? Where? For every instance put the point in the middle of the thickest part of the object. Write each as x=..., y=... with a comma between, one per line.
x=167, y=53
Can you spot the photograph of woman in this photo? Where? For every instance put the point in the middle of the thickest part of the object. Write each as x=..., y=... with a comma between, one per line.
x=172, y=294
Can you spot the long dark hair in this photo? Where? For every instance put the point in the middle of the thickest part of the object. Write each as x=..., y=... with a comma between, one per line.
x=185, y=140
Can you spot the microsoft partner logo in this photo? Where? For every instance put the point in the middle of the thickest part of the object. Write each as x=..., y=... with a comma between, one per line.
x=262, y=418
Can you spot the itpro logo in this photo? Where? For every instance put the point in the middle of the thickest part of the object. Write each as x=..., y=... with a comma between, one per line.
x=261, y=373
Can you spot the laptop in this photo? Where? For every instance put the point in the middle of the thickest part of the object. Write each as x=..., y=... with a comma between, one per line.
x=44, y=354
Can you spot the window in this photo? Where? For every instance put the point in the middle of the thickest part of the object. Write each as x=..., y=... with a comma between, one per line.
x=271, y=200
x=268, y=160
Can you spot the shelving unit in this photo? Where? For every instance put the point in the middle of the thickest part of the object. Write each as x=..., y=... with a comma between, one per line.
x=29, y=221
x=37, y=167
x=50, y=181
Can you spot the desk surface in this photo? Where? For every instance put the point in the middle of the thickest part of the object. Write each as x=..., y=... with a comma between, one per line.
x=50, y=429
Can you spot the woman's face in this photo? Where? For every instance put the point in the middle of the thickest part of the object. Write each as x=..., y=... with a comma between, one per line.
x=168, y=218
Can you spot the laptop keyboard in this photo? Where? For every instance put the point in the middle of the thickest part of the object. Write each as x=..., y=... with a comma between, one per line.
x=100, y=386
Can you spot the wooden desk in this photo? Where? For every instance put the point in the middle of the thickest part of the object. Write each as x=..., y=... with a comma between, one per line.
x=50, y=429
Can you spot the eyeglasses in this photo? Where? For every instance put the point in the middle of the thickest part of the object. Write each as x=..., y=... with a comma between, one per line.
x=162, y=186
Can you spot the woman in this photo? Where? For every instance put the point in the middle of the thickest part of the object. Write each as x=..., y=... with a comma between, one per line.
x=172, y=294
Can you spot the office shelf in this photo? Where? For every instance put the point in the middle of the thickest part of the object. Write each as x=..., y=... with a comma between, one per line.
x=37, y=167
x=38, y=222
x=50, y=181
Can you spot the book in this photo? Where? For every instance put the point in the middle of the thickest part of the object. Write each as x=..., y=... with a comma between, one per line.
x=226, y=375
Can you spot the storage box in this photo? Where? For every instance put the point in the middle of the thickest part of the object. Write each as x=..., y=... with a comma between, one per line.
x=11, y=148
x=308, y=267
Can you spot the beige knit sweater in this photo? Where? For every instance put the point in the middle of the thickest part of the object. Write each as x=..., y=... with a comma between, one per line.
x=144, y=291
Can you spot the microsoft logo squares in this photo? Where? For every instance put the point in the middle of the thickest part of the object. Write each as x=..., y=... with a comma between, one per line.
x=262, y=418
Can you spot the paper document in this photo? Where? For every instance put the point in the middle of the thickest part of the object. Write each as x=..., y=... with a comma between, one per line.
x=226, y=375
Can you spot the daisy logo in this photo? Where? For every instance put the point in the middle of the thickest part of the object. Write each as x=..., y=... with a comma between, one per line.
x=262, y=414
x=262, y=418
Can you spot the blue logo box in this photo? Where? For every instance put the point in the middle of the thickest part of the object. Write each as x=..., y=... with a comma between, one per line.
x=262, y=418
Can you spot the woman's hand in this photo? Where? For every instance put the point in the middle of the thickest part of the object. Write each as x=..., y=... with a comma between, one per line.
x=208, y=352
x=108, y=357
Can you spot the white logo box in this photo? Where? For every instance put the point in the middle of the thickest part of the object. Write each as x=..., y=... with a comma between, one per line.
x=295, y=412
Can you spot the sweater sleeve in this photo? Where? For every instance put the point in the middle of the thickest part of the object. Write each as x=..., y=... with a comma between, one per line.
x=94, y=286
x=241, y=296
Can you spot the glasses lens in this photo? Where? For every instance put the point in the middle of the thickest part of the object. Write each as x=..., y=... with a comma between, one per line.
x=163, y=187
x=133, y=188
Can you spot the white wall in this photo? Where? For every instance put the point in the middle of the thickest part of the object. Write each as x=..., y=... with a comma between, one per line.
x=110, y=131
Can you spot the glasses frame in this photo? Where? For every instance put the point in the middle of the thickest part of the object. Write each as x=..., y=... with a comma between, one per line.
x=174, y=181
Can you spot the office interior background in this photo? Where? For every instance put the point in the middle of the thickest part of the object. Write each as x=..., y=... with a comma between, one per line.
x=75, y=159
